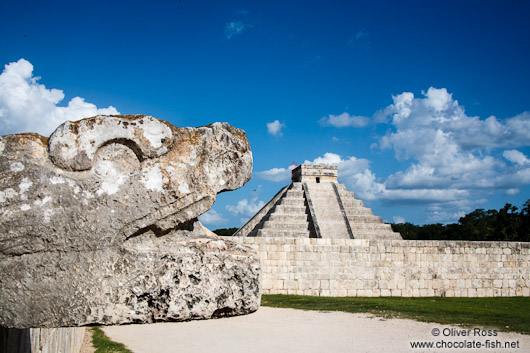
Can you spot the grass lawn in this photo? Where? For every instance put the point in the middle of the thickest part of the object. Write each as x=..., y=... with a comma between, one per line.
x=103, y=344
x=505, y=314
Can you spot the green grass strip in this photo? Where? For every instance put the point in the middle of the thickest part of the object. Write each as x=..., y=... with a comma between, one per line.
x=504, y=314
x=103, y=344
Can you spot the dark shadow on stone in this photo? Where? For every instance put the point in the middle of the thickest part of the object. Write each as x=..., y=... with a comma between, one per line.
x=159, y=232
x=14, y=340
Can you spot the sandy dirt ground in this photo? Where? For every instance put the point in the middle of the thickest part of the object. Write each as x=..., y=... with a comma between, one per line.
x=87, y=346
x=275, y=330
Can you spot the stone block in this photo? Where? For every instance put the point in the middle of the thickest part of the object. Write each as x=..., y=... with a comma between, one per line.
x=340, y=293
x=385, y=293
x=282, y=276
x=267, y=284
x=397, y=293
x=278, y=284
x=291, y=284
x=352, y=292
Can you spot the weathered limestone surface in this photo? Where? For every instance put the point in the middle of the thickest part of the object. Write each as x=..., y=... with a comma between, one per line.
x=98, y=224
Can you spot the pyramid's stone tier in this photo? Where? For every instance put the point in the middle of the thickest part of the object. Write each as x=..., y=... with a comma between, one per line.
x=296, y=187
x=344, y=192
x=295, y=194
x=319, y=192
x=364, y=219
x=334, y=230
x=324, y=189
x=331, y=198
x=282, y=233
x=371, y=226
x=376, y=235
x=288, y=217
x=310, y=173
x=354, y=211
x=348, y=195
x=292, y=202
x=352, y=203
x=289, y=209
x=333, y=213
x=289, y=226
x=342, y=187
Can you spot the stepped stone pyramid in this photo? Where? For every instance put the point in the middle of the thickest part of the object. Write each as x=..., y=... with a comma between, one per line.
x=315, y=205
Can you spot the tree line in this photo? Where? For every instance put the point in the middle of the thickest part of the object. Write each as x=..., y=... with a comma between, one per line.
x=507, y=224
x=227, y=232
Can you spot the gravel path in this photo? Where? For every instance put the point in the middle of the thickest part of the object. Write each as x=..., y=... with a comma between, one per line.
x=275, y=330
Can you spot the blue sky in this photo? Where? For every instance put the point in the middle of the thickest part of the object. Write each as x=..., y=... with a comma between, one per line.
x=424, y=105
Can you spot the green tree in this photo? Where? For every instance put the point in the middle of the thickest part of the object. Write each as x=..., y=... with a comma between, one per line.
x=227, y=232
x=506, y=224
x=524, y=229
x=477, y=225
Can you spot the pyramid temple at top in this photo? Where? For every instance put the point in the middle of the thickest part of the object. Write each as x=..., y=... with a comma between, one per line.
x=315, y=205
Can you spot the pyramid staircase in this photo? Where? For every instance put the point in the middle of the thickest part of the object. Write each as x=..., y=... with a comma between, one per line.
x=311, y=209
x=289, y=217
x=363, y=223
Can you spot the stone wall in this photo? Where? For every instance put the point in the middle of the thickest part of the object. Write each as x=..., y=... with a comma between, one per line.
x=41, y=340
x=361, y=267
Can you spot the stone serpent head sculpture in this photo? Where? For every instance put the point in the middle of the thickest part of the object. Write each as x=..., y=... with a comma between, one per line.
x=98, y=224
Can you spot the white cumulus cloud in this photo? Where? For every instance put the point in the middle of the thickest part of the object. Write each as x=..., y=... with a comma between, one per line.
x=275, y=128
x=452, y=160
x=355, y=173
x=327, y=158
x=275, y=174
x=246, y=207
x=212, y=217
x=515, y=156
x=452, y=154
x=439, y=116
x=439, y=99
x=450, y=149
x=28, y=106
x=344, y=120
x=512, y=191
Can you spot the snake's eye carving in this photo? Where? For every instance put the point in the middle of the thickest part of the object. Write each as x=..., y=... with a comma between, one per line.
x=73, y=145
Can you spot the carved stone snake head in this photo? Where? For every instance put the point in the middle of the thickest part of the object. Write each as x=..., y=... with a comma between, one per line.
x=108, y=178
